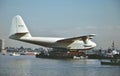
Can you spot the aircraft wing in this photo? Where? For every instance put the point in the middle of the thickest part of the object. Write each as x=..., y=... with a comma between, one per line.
x=77, y=38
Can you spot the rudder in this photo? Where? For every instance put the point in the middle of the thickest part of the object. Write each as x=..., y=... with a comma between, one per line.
x=18, y=28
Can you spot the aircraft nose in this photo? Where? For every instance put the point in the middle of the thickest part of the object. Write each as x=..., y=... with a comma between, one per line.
x=93, y=44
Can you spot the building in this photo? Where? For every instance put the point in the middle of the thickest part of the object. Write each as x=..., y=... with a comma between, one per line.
x=2, y=46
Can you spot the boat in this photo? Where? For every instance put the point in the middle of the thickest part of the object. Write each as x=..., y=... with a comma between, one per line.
x=114, y=61
x=62, y=55
x=14, y=54
x=110, y=63
x=3, y=53
x=80, y=57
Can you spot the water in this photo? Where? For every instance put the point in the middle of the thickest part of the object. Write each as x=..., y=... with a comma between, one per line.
x=31, y=66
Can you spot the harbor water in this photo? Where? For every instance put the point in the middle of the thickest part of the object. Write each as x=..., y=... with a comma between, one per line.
x=31, y=66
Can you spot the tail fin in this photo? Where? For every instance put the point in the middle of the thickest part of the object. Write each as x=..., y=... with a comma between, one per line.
x=18, y=28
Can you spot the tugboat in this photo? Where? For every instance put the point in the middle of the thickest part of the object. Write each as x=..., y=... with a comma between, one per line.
x=115, y=60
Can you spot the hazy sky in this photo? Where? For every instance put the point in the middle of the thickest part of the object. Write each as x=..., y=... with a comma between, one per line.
x=64, y=18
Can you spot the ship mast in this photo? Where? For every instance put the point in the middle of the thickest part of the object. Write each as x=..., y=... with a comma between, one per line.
x=113, y=46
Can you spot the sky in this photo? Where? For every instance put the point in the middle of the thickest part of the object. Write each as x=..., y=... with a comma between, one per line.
x=64, y=18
